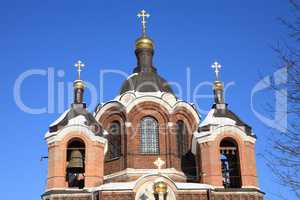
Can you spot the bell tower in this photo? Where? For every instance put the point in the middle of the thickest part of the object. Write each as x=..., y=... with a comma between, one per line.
x=76, y=147
x=229, y=142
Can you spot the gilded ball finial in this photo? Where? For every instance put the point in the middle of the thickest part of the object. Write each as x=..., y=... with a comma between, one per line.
x=160, y=187
x=144, y=42
x=78, y=84
x=218, y=85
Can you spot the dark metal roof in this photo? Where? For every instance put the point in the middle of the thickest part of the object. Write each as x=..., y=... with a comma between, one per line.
x=145, y=77
x=231, y=115
x=146, y=82
x=76, y=110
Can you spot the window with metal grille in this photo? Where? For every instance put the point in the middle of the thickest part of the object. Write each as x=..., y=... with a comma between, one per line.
x=182, y=138
x=114, y=141
x=149, y=136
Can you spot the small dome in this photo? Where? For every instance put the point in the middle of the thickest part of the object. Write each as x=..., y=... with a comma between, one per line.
x=78, y=84
x=218, y=85
x=160, y=187
x=144, y=42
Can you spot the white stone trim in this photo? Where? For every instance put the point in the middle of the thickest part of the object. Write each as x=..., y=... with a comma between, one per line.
x=140, y=97
x=251, y=186
x=70, y=195
x=114, y=186
x=105, y=107
x=128, y=124
x=150, y=99
x=129, y=186
x=78, y=128
x=212, y=134
x=171, y=124
x=239, y=192
x=141, y=172
x=193, y=186
x=208, y=136
x=66, y=189
x=194, y=143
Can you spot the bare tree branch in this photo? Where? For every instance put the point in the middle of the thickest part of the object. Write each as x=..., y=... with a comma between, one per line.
x=284, y=156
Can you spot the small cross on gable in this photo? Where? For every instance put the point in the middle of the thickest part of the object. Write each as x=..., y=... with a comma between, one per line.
x=159, y=163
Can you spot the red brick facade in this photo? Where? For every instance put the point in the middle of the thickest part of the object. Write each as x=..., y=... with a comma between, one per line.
x=131, y=163
x=57, y=161
x=131, y=157
x=99, y=171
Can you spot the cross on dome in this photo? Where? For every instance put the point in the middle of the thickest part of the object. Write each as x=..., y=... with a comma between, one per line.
x=79, y=65
x=159, y=163
x=143, y=14
x=217, y=68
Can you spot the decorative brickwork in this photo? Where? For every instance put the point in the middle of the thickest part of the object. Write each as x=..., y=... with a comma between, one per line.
x=199, y=161
x=131, y=156
x=182, y=195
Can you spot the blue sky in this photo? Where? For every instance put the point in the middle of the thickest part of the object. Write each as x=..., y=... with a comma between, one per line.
x=188, y=34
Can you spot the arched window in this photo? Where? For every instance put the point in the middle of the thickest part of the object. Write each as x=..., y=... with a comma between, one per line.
x=75, y=164
x=149, y=136
x=230, y=163
x=182, y=138
x=114, y=141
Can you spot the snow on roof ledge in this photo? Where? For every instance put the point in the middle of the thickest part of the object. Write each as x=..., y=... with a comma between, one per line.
x=130, y=186
x=193, y=186
x=211, y=120
x=60, y=118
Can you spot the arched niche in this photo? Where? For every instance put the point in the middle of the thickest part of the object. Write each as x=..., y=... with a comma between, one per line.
x=75, y=168
x=230, y=163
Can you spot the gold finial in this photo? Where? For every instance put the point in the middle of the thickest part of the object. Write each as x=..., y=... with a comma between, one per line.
x=160, y=187
x=159, y=163
x=217, y=68
x=79, y=65
x=143, y=14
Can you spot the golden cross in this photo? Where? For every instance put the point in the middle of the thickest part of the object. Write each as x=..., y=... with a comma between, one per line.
x=143, y=14
x=159, y=163
x=217, y=68
x=79, y=65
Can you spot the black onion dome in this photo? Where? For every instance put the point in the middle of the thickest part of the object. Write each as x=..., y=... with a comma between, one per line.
x=145, y=77
x=146, y=82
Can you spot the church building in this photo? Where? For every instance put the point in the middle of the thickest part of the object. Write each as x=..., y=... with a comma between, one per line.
x=146, y=144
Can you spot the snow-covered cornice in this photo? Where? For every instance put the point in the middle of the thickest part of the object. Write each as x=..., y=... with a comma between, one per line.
x=214, y=132
x=220, y=121
x=72, y=127
x=134, y=184
x=130, y=99
x=211, y=135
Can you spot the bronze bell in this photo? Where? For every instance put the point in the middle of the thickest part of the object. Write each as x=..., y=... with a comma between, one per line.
x=76, y=159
